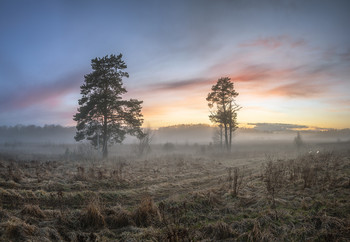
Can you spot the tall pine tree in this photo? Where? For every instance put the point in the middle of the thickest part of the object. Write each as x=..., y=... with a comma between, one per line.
x=103, y=117
x=224, y=108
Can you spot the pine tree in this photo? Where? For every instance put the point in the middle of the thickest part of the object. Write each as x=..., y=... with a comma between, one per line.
x=224, y=108
x=103, y=117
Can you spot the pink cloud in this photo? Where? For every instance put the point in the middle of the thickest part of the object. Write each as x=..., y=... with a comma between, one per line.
x=180, y=85
x=299, y=89
x=48, y=94
x=257, y=80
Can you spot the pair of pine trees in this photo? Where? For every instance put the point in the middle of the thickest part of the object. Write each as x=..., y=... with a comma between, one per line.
x=103, y=117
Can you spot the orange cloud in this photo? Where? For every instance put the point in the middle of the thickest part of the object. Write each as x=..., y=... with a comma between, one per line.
x=253, y=80
x=273, y=81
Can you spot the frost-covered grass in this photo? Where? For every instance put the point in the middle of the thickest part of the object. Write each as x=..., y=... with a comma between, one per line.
x=178, y=196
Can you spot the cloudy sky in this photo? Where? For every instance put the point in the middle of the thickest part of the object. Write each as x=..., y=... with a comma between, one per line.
x=289, y=60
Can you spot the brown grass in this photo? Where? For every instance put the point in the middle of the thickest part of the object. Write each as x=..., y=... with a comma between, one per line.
x=147, y=213
x=92, y=216
x=220, y=230
x=190, y=200
x=33, y=211
x=18, y=229
x=118, y=217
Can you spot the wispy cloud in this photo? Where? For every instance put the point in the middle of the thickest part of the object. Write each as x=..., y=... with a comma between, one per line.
x=259, y=80
x=180, y=84
x=48, y=94
x=299, y=89
x=274, y=42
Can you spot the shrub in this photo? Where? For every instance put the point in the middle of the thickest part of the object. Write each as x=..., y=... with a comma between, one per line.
x=235, y=182
x=273, y=176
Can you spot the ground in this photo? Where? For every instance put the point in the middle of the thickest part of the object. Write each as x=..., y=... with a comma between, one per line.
x=187, y=193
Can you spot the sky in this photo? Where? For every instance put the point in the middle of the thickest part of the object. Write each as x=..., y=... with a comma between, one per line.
x=289, y=60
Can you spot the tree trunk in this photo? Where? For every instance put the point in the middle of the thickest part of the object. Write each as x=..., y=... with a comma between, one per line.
x=230, y=126
x=221, y=136
x=105, y=151
x=225, y=123
x=105, y=136
x=230, y=141
x=226, y=137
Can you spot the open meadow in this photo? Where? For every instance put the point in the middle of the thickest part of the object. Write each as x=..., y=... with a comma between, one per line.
x=175, y=121
x=266, y=192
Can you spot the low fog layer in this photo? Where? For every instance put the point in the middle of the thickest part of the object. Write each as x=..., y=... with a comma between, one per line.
x=179, y=134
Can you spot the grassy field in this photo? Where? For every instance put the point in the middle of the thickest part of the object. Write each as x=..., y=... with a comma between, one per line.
x=192, y=194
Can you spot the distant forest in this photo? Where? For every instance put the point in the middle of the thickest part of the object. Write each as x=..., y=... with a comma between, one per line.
x=37, y=134
x=185, y=133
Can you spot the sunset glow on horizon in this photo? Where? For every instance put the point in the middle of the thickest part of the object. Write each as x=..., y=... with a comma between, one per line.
x=289, y=60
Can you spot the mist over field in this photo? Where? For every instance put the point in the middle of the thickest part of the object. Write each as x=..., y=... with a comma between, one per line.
x=182, y=187
x=180, y=134
x=175, y=121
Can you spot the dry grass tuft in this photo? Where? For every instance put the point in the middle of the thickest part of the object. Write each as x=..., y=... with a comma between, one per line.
x=82, y=237
x=47, y=234
x=118, y=217
x=14, y=173
x=33, y=211
x=18, y=230
x=302, y=198
x=92, y=216
x=220, y=230
x=80, y=173
x=147, y=213
x=3, y=215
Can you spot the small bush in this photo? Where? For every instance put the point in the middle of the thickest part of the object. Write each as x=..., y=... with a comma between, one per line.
x=308, y=174
x=273, y=176
x=235, y=182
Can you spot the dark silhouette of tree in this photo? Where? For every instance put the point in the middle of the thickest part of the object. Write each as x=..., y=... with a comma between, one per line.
x=145, y=140
x=298, y=141
x=103, y=116
x=224, y=108
x=218, y=136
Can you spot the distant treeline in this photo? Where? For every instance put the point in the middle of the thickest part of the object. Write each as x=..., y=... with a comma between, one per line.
x=184, y=133
x=34, y=134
